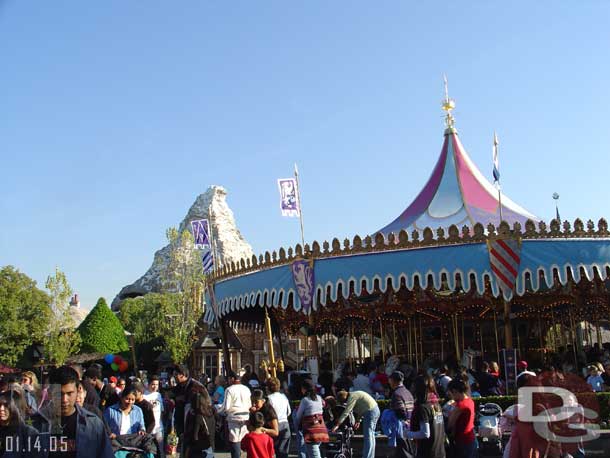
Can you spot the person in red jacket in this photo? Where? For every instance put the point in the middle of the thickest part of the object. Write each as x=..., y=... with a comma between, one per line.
x=256, y=443
x=461, y=421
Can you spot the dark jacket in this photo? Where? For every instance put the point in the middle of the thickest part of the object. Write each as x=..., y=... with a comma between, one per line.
x=199, y=434
x=108, y=397
x=92, y=441
x=183, y=393
x=149, y=415
x=402, y=402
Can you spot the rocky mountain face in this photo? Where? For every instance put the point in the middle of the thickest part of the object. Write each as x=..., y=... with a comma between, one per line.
x=230, y=244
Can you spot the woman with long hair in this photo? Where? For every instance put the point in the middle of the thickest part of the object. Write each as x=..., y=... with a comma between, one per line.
x=200, y=427
x=427, y=424
x=17, y=440
x=309, y=420
x=125, y=417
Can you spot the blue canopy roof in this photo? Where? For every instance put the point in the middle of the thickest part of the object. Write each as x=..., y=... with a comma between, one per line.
x=460, y=257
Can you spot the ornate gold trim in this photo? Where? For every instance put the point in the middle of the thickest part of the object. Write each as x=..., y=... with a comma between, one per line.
x=402, y=241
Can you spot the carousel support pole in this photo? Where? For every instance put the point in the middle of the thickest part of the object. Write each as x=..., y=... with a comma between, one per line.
x=598, y=331
x=281, y=345
x=416, y=346
x=351, y=347
x=496, y=336
x=519, y=342
x=463, y=336
x=382, y=341
x=332, y=356
x=358, y=342
x=456, y=337
x=372, y=343
x=442, y=344
x=421, y=342
x=554, y=330
x=508, y=327
x=573, y=338
x=481, y=340
x=315, y=352
x=542, y=346
x=394, y=337
x=225, y=347
x=270, y=342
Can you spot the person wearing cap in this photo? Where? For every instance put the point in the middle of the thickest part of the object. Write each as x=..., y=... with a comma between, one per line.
x=401, y=403
x=522, y=369
x=365, y=409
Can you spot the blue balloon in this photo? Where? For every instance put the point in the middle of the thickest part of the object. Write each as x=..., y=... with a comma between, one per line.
x=109, y=358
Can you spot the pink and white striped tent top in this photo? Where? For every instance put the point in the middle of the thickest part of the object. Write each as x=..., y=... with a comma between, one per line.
x=456, y=193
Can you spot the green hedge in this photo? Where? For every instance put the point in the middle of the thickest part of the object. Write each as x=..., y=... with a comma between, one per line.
x=603, y=399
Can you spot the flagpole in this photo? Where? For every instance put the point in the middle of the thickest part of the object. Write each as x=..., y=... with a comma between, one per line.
x=296, y=176
x=212, y=240
x=496, y=168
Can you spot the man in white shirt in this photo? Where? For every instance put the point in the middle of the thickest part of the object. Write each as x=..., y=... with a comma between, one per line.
x=362, y=382
x=154, y=397
x=236, y=407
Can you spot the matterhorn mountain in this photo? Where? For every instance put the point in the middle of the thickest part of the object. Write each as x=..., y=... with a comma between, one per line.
x=230, y=244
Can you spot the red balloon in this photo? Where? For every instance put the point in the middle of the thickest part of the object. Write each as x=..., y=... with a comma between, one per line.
x=118, y=359
x=123, y=366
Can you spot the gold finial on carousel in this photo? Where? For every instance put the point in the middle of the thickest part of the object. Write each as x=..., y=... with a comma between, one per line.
x=448, y=106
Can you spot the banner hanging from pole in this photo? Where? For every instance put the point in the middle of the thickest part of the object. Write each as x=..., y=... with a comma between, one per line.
x=201, y=233
x=207, y=260
x=289, y=199
x=505, y=259
x=303, y=277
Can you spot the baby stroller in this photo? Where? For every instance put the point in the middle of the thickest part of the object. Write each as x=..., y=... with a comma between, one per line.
x=490, y=434
x=340, y=443
x=135, y=446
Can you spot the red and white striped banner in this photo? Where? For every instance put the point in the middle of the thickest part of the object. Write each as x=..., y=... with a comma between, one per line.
x=505, y=258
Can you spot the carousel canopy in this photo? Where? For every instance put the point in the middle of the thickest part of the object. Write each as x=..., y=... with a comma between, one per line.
x=456, y=193
x=449, y=240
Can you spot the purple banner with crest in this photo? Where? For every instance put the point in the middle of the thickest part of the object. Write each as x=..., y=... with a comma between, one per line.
x=289, y=199
x=201, y=233
x=303, y=276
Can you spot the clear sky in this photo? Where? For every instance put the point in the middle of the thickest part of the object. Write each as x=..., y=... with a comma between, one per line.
x=115, y=115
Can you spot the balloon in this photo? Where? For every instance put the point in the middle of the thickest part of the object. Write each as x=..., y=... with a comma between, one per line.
x=123, y=366
x=118, y=359
x=109, y=358
x=114, y=367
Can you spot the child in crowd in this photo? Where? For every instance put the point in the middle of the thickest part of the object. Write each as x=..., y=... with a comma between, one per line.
x=256, y=443
x=595, y=379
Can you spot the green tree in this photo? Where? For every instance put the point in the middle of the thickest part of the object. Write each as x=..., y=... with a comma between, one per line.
x=141, y=315
x=183, y=278
x=101, y=331
x=25, y=312
x=61, y=340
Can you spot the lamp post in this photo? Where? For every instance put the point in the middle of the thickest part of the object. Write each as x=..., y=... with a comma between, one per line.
x=132, y=344
x=556, y=199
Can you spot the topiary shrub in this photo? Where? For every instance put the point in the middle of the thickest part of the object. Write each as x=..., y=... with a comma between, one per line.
x=102, y=332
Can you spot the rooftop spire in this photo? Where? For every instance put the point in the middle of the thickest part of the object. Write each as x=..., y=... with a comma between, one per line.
x=448, y=106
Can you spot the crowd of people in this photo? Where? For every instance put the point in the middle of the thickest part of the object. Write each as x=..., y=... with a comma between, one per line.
x=78, y=413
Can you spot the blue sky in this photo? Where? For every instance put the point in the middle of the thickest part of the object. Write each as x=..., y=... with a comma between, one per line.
x=115, y=115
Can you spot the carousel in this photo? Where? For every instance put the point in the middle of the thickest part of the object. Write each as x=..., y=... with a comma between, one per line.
x=463, y=270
